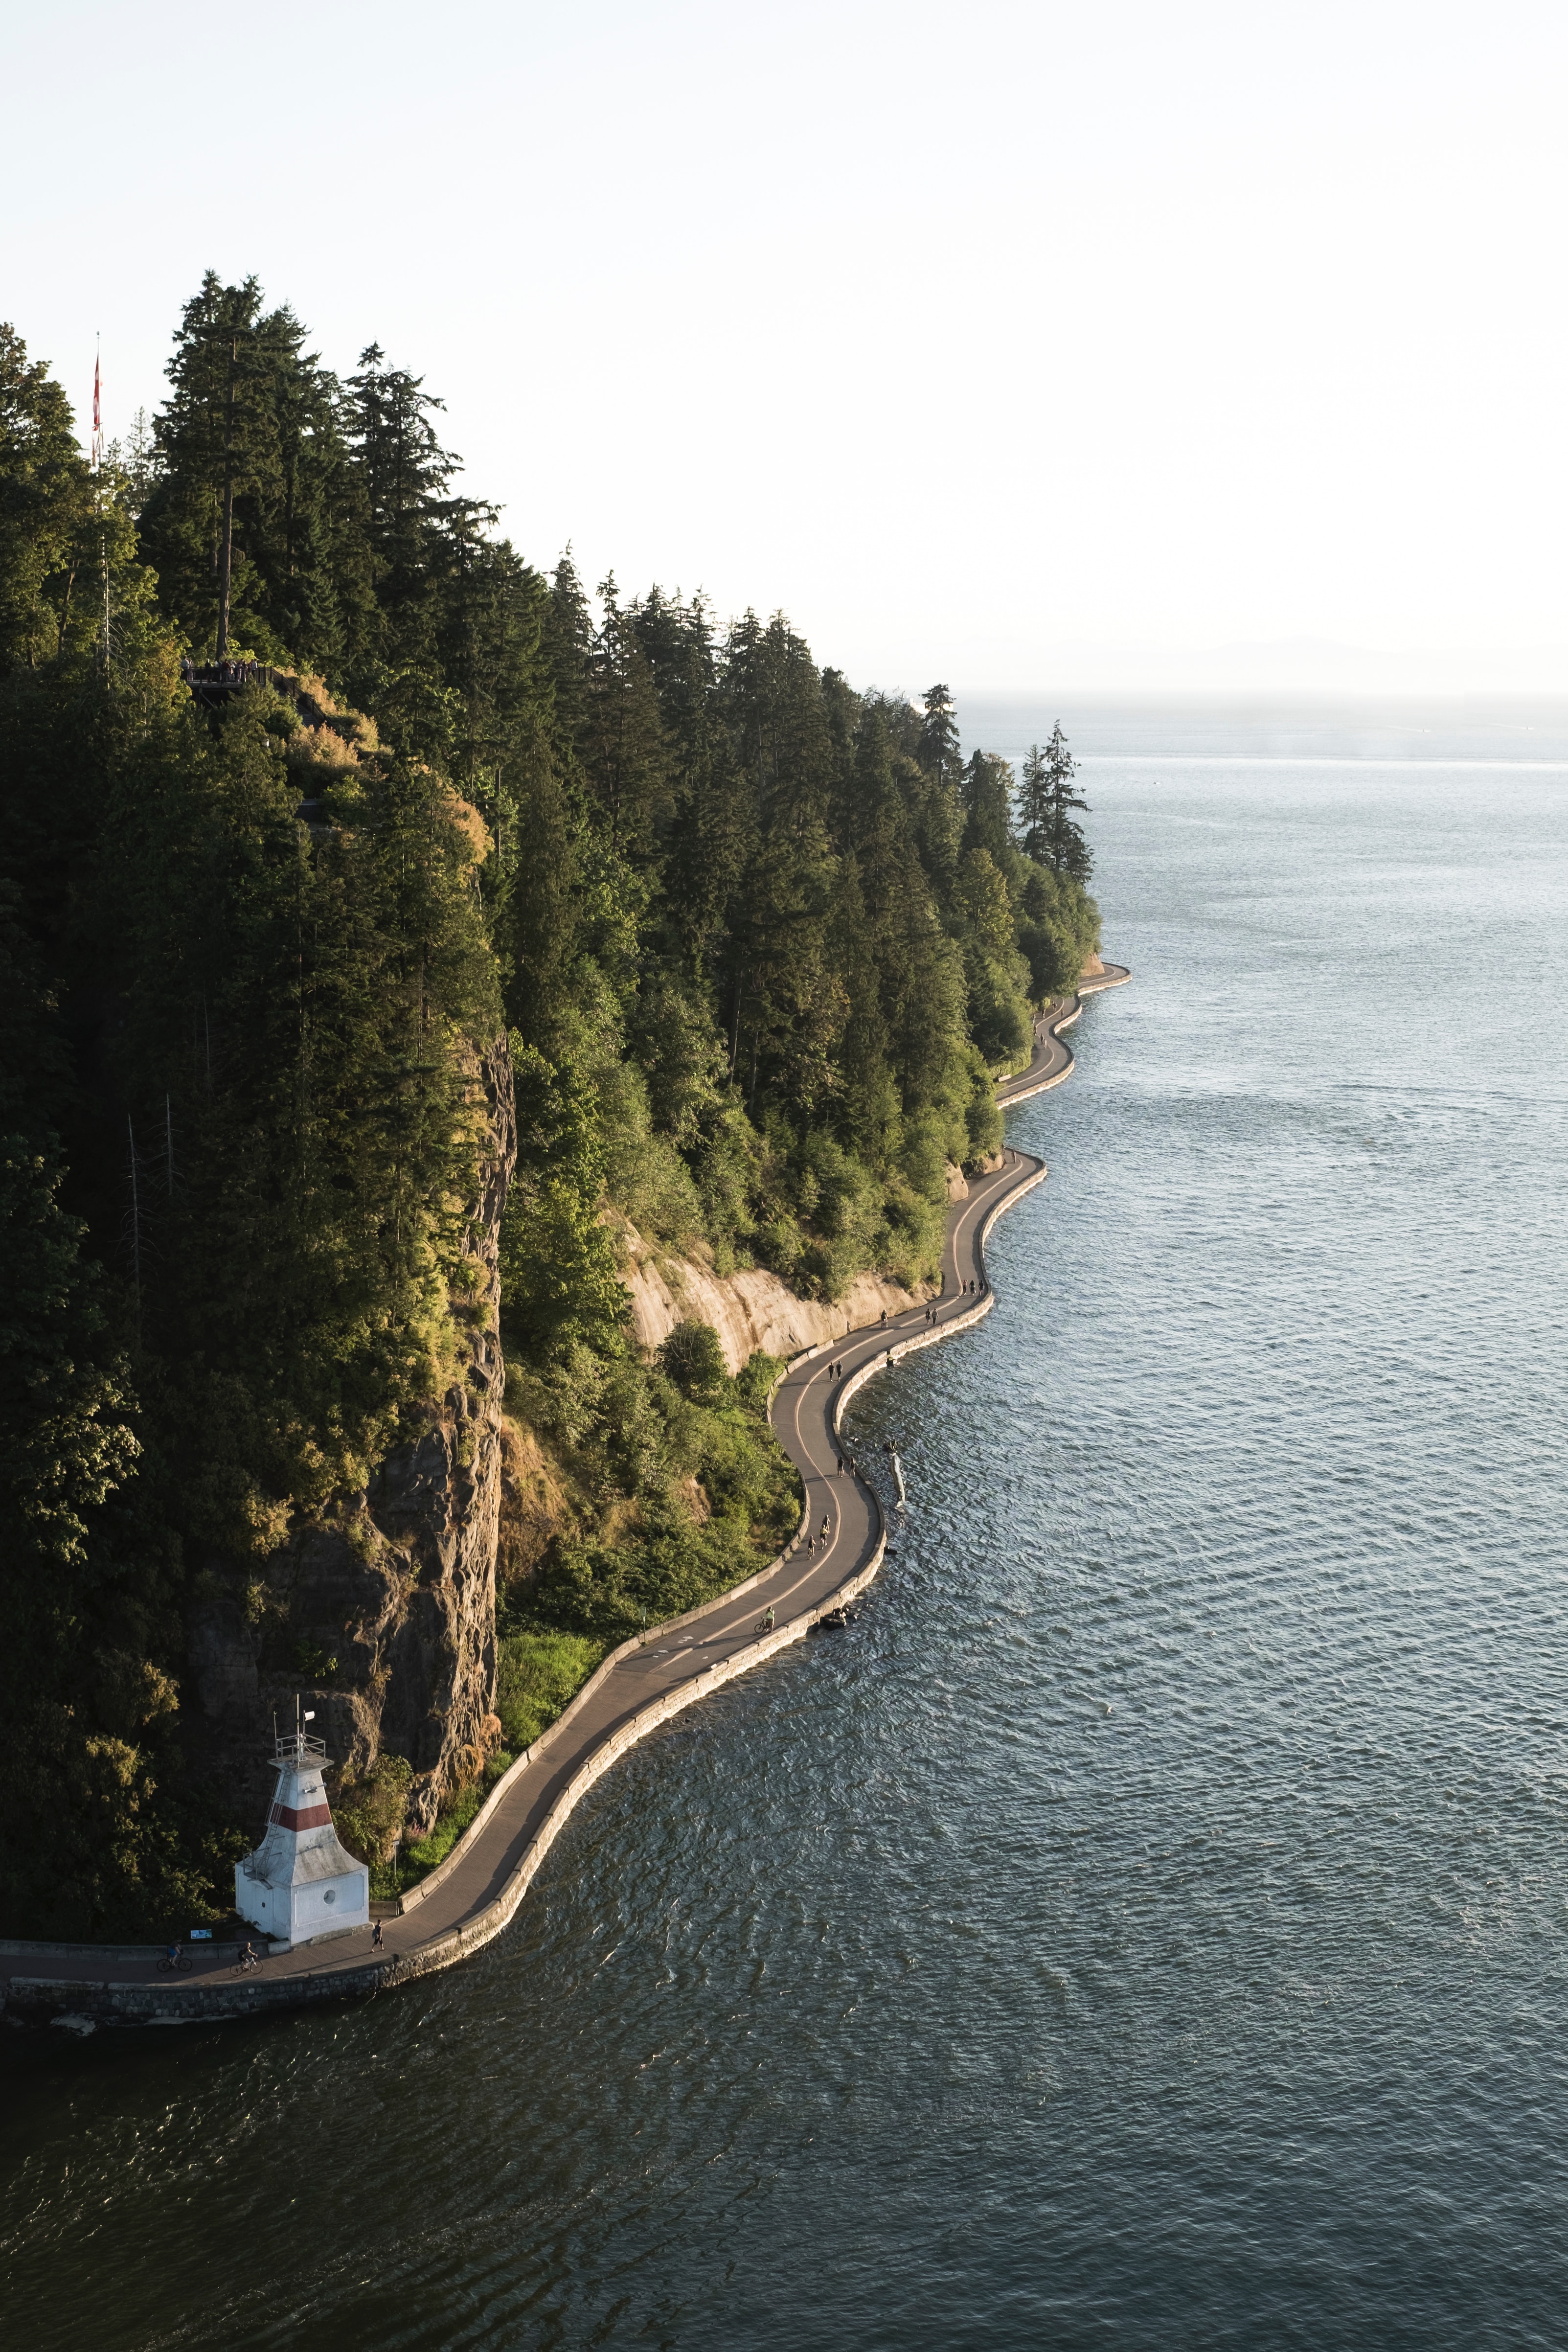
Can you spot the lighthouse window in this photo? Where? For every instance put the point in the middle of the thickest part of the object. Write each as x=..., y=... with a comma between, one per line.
x=331, y=1895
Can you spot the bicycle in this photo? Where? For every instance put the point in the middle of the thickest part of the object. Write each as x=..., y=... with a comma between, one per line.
x=765, y=1624
x=246, y=1961
x=174, y=1964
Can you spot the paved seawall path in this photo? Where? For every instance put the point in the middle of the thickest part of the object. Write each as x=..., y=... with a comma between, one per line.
x=475, y=1892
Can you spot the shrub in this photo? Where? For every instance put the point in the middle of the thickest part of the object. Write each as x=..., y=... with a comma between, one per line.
x=390, y=1878
x=368, y=1812
x=757, y=1379
x=434, y=1849
x=536, y=1675
x=693, y=1358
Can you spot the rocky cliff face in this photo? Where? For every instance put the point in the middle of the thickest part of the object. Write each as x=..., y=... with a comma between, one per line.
x=750, y=1310
x=381, y=1610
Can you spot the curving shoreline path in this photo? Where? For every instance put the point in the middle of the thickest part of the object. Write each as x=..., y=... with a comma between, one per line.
x=475, y=1892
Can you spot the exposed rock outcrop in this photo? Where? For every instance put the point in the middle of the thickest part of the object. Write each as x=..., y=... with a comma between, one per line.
x=381, y=1608
x=748, y=1310
x=534, y=1506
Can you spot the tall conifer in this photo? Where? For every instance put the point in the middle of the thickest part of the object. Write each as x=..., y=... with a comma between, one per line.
x=1046, y=801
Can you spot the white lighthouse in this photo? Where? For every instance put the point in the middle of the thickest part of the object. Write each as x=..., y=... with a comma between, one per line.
x=300, y=1885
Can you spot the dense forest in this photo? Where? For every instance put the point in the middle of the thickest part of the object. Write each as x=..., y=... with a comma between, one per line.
x=755, y=944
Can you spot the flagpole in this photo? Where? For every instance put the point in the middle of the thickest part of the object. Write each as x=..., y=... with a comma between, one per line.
x=97, y=477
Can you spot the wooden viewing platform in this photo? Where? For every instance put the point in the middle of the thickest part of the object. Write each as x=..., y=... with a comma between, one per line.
x=214, y=682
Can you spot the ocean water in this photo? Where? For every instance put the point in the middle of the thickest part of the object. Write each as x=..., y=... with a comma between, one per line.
x=1146, y=1926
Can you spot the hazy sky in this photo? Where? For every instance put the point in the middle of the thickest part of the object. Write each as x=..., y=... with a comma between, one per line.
x=1015, y=345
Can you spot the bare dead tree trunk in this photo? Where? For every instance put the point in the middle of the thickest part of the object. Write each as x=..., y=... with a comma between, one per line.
x=225, y=555
x=135, y=1225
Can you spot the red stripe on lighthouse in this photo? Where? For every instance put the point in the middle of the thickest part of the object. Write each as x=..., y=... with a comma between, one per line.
x=314, y=1817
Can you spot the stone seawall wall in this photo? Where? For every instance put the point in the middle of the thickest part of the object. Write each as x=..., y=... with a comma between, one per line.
x=170, y=2002
x=976, y=1314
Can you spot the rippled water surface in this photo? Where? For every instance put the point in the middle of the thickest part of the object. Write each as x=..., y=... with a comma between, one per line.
x=1146, y=1926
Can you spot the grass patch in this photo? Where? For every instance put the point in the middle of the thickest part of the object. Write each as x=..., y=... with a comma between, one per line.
x=537, y=1674
x=389, y=1880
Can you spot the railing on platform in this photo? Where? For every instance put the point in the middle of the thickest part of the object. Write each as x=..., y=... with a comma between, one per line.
x=298, y=1747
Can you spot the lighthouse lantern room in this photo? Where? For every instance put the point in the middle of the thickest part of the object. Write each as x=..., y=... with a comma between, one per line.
x=300, y=1885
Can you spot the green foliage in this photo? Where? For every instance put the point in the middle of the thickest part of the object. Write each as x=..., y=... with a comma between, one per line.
x=997, y=974
x=693, y=1359
x=1046, y=802
x=987, y=807
x=368, y=1813
x=71, y=589
x=559, y=1261
x=251, y=447
x=682, y=1495
x=424, y=1853
x=85, y=1594
x=369, y=1817
x=537, y=1674
x=757, y=1379
x=752, y=943
x=310, y=1013
x=1059, y=931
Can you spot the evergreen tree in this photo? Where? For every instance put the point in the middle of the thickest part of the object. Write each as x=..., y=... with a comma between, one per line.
x=712, y=828
x=870, y=1115
x=921, y=984
x=406, y=472
x=756, y=943
x=416, y=539
x=625, y=752
x=233, y=521
x=1046, y=801
x=987, y=807
x=135, y=459
x=996, y=974
x=939, y=751
x=67, y=543
x=537, y=929
x=567, y=649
